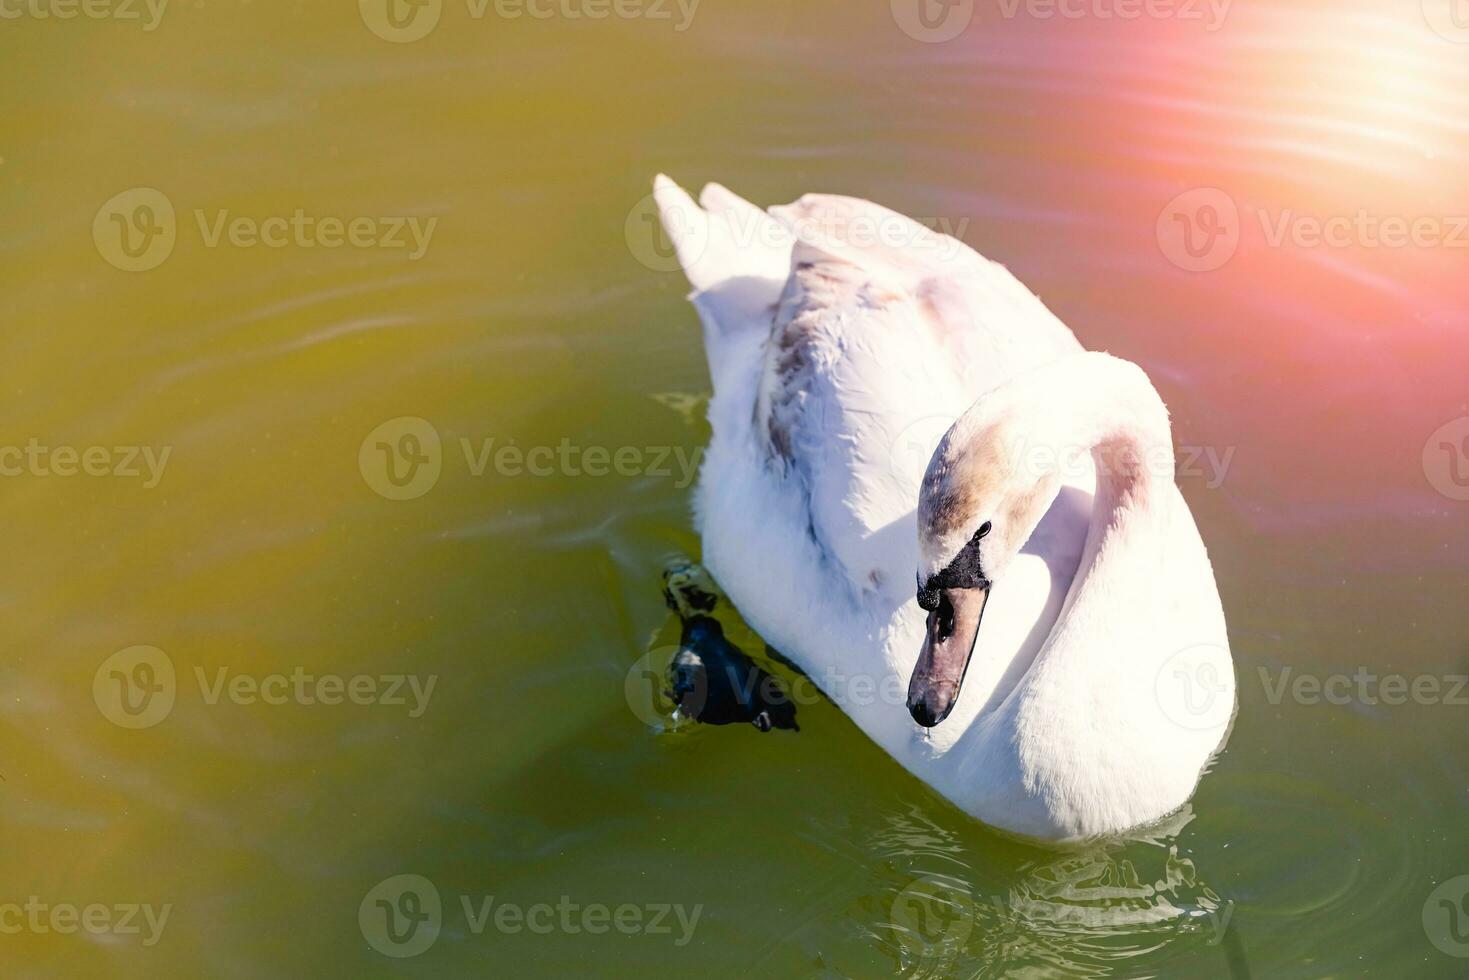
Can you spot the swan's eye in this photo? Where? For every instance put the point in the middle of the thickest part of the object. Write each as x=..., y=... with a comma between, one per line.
x=983, y=530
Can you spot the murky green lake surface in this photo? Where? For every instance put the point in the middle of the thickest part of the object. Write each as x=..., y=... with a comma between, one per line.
x=236, y=519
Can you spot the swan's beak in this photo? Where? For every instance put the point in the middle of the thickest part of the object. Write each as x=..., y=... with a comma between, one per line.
x=952, y=630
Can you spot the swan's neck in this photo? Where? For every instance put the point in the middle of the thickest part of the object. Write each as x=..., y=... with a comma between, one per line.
x=1132, y=448
x=1086, y=409
x=1113, y=412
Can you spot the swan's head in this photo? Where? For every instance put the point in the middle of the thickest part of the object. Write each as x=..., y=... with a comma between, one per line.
x=977, y=508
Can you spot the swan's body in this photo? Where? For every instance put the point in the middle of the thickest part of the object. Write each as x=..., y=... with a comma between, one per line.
x=839, y=360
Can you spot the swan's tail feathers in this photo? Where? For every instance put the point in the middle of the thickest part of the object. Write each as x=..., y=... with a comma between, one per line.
x=718, y=199
x=738, y=259
x=727, y=238
x=687, y=227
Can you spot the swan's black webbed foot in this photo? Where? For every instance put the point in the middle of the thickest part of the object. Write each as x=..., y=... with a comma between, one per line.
x=712, y=680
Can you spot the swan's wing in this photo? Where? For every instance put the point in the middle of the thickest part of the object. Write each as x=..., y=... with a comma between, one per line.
x=996, y=325
x=885, y=333
x=857, y=336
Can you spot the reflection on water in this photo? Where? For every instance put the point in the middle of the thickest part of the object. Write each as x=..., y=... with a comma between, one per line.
x=1288, y=337
x=1085, y=913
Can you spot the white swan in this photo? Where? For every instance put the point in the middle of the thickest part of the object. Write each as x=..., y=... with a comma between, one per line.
x=837, y=332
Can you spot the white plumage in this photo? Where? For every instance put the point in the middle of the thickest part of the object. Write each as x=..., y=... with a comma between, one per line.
x=844, y=340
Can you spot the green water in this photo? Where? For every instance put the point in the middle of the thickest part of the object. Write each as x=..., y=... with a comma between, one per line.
x=260, y=557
